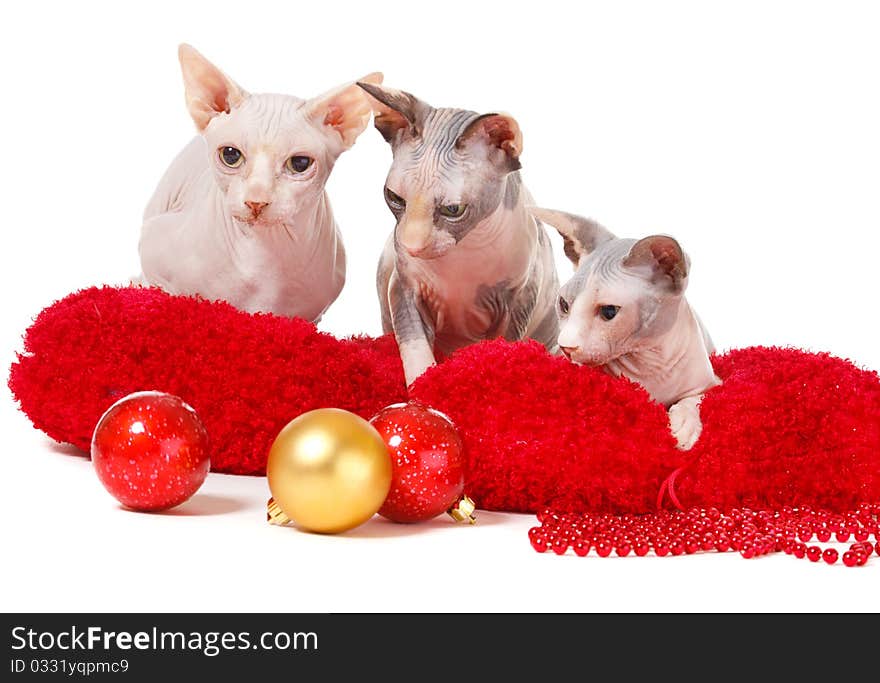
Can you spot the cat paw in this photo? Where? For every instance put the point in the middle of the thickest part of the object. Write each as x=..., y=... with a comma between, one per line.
x=685, y=423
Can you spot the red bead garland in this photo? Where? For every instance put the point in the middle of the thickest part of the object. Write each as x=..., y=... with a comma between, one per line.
x=751, y=533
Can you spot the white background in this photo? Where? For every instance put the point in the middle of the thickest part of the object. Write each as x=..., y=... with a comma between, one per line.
x=749, y=130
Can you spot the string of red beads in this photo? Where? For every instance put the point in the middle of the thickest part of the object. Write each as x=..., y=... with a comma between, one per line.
x=751, y=533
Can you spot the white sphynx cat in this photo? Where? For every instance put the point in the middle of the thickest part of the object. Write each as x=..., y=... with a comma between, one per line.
x=624, y=310
x=465, y=261
x=241, y=214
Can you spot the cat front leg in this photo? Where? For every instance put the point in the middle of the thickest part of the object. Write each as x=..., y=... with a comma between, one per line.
x=414, y=337
x=684, y=421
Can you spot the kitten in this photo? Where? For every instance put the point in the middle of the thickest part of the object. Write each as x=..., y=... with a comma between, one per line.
x=624, y=310
x=465, y=261
x=241, y=213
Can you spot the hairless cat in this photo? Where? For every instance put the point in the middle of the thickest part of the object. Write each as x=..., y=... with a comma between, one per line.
x=241, y=213
x=624, y=310
x=465, y=261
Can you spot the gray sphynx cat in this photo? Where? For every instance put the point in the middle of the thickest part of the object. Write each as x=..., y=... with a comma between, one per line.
x=624, y=310
x=466, y=261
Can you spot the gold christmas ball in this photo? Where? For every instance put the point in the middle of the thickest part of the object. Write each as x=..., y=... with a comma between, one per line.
x=328, y=470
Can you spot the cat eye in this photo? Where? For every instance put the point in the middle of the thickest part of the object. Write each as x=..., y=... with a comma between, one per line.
x=563, y=306
x=395, y=201
x=608, y=312
x=453, y=211
x=231, y=157
x=298, y=164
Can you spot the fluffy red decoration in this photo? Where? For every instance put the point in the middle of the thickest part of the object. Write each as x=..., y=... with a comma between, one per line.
x=786, y=427
x=246, y=375
x=539, y=430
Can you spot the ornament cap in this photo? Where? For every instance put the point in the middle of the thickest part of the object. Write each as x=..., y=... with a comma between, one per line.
x=274, y=514
x=463, y=511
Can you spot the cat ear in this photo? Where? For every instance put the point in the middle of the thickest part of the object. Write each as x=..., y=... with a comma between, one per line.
x=660, y=259
x=345, y=110
x=394, y=110
x=209, y=91
x=580, y=235
x=500, y=134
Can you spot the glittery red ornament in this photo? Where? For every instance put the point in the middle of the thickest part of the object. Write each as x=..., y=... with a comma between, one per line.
x=426, y=459
x=150, y=451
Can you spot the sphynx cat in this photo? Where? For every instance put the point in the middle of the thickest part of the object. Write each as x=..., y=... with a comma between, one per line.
x=241, y=214
x=624, y=310
x=466, y=261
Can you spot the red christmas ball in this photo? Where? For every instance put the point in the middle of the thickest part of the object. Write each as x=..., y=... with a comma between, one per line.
x=150, y=451
x=427, y=463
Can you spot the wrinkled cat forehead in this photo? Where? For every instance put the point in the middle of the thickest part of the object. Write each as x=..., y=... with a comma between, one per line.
x=633, y=269
x=265, y=119
x=607, y=259
x=430, y=161
x=271, y=104
x=604, y=266
x=433, y=163
x=271, y=112
x=435, y=139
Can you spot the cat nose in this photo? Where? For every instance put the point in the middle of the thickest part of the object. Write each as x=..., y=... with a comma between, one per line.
x=256, y=207
x=568, y=350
